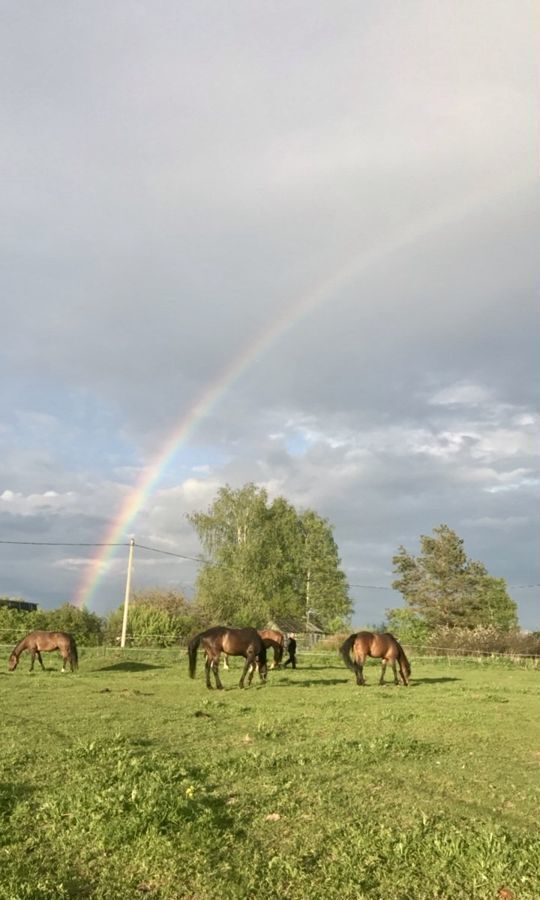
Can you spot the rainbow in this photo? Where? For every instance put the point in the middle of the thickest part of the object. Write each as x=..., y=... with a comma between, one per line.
x=207, y=400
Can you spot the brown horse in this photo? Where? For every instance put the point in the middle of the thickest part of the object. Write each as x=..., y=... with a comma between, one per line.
x=38, y=641
x=381, y=646
x=276, y=640
x=270, y=638
x=244, y=642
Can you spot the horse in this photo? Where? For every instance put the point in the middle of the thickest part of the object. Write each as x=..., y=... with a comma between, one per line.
x=245, y=642
x=38, y=641
x=383, y=646
x=270, y=638
x=276, y=640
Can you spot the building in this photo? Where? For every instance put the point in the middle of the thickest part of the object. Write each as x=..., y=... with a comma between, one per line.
x=309, y=631
x=16, y=603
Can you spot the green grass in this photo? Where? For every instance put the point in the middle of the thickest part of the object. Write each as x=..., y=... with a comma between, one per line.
x=129, y=780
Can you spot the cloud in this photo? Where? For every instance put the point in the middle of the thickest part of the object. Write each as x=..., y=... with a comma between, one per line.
x=178, y=181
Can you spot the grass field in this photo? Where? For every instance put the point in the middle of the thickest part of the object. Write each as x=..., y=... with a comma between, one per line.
x=129, y=780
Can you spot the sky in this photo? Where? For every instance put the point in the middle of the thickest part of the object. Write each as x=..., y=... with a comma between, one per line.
x=290, y=243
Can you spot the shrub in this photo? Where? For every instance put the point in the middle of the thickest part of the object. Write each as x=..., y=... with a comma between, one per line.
x=484, y=639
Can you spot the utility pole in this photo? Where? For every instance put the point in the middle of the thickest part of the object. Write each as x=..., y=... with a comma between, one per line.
x=128, y=592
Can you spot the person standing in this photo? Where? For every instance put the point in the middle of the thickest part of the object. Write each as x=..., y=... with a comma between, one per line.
x=291, y=650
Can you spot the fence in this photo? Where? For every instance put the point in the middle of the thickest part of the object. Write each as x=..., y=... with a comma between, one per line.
x=310, y=653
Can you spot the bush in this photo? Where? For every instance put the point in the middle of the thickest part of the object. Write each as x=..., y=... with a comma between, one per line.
x=332, y=641
x=482, y=640
x=86, y=627
x=156, y=619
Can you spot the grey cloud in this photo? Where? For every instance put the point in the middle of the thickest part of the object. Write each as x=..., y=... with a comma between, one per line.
x=178, y=177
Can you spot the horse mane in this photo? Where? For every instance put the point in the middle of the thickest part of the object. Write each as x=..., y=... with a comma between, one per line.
x=403, y=659
x=401, y=654
x=18, y=648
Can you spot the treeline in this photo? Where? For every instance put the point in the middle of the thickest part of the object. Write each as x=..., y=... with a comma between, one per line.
x=156, y=619
x=481, y=640
x=86, y=627
x=265, y=561
x=452, y=603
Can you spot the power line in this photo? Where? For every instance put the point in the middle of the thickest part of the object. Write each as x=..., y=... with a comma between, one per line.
x=98, y=544
x=379, y=587
x=373, y=587
x=197, y=559
x=64, y=544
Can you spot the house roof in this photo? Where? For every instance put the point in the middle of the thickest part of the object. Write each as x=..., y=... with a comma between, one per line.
x=294, y=624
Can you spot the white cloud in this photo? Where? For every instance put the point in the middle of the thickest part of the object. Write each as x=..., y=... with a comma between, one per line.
x=461, y=394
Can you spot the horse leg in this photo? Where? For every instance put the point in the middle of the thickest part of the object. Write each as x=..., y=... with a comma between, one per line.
x=383, y=670
x=255, y=664
x=250, y=662
x=33, y=657
x=207, y=667
x=215, y=670
x=225, y=661
x=38, y=654
x=394, y=667
x=359, y=670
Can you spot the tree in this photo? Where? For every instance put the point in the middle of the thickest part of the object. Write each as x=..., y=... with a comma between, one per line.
x=445, y=588
x=326, y=588
x=156, y=618
x=86, y=627
x=267, y=560
x=407, y=626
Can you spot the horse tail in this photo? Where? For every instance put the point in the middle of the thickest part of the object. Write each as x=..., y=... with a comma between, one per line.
x=73, y=652
x=403, y=660
x=193, y=646
x=345, y=651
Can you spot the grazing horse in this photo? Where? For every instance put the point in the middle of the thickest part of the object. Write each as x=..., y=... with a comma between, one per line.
x=38, y=641
x=383, y=646
x=270, y=638
x=276, y=640
x=244, y=642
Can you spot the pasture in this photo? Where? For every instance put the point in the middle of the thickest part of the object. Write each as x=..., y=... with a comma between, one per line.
x=129, y=780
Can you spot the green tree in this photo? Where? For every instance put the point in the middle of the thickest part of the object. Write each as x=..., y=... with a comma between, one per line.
x=326, y=589
x=13, y=625
x=445, y=588
x=156, y=618
x=407, y=626
x=266, y=560
x=86, y=627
